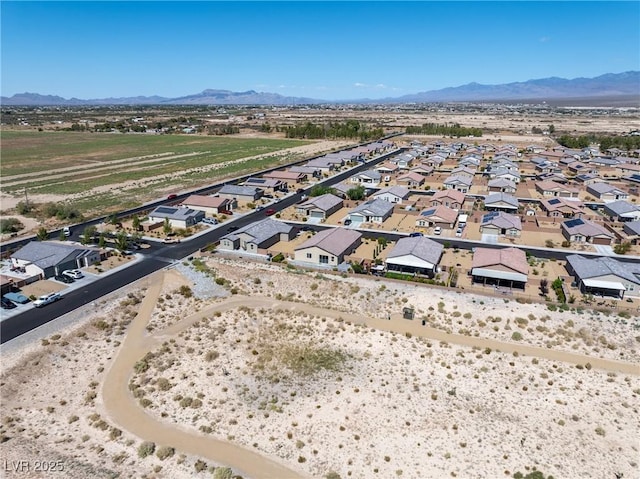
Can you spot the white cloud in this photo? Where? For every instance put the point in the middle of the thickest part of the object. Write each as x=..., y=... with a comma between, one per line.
x=544, y=39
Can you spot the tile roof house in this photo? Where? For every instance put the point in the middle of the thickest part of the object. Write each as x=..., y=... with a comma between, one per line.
x=411, y=179
x=622, y=210
x=469, y=161
x=178, y=217
x=551, y=188
x=562, y=208
x=321, y=206
x=369, y=177
x=307, y=170
x=502, y=185
x=46, y=259
x=606, y=192
x=423, y=170
x=417, y=255
x=511, y=175
x=463, y=170
x=458, y=183
x=502, y=267
x=451, y=198
x=501, y=201
x=605, y=276
x=257, y=236
x=632, y=230
x=341, y=189
x=434, y=161
x=287, y=176
x=372, y=211
x=240, y=193
x=267, y=183
x=442, y=216
x=211, y=205
x=328, y=247
x=393, y=194
x=556, y=177
x=580, y=230
x=386, y=167
x=500, y=223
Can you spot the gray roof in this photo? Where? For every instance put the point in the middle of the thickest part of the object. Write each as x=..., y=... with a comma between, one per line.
x=501, y=197
x=335, y=241
x=633, y=226
x=501, y=183
x=621, y=207
x=303, y=169
x=238, y=190
x=602, y=187
x=420, y=247
x=343, y=187
x=501, y=220
x=323, y=202
x=261, y=230
x=373, y=174
x=504, y=171
x=175, y=213
x=586, y=268
x=464, y=179
x=375, y=207
x=585, y=227
x=46, y=254
x=397, y=190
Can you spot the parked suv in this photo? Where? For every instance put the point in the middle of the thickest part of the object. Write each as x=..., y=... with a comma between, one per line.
x=73, y=273
x=437, y=230
x=46, y=299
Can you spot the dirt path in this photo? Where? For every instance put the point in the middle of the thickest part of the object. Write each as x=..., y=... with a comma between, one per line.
x=123, y=409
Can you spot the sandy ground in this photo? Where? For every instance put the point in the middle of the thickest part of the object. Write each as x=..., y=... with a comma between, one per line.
x=298, y=374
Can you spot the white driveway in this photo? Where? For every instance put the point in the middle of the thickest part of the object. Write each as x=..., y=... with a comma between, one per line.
x=489, y=239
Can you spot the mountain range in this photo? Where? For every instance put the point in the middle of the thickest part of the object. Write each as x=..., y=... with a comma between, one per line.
x=610, y=85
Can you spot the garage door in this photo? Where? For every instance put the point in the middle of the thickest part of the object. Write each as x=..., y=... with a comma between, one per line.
x=316, y=214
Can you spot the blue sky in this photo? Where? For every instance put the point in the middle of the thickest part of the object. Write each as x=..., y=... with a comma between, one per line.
x=324, y=50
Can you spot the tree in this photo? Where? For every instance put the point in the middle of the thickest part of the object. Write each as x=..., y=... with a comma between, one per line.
x=356, y=193
x=121, y=241
x=320, y=190
x=42, y=234
x=167, y=226
x=101, y=241
x=544, y=286
x=135, y=223
x=10, y=225
x=87, y=235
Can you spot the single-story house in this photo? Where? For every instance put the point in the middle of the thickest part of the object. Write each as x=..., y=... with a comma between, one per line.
x=501, y=201
x=502, y=185
x=211, y=205
x=562, y=208
x=551, y=188
x=369, y=177
x=321, y=206
x=267, y=184
x=411, y=179
x=433, y=161
x=323, y=164
x=632, y=230
x=458, y=183
x=580, y=230
x=341, y=189
x=423, y=170
x=470, y=162
x=501, y=223
x=556, y=177
x=46, y=259
x=442, y=216
x=587, y=178
x=372, y=211
x=257, y=236
x=606, y=192
x=393, y=194
x=622, y=211
x=451, y=198
x=463, y=170
x=505, y=174
x=386, y=168
x=404, y=161
x=501, y=267
x=328, y=247
x=286, y=176
x=240, y=193
x=307, y=170
x=417, y=255
x=178, y=217
x=605, y=276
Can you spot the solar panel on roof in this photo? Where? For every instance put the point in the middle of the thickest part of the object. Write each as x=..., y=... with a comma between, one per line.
x=572, y=223
x=256, y=180
x=165, y=210
x=554, y=201
x=490, y=216
x=428, y=212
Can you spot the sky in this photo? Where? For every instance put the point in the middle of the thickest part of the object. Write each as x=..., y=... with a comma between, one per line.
x=321, y=50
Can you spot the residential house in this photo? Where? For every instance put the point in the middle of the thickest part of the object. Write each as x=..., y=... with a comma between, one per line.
x=442, y=216
x=286, y=176
x=451, y=198
x=323, y=164
x=555, y=177
x=587, y=178
x=369, y=177
x=393, y=194
x=371, y=211
x=341, y=189
x=328, y=247
x=580, y=230
x=501, y=223
x=178, y=217
x=562, y=208
x=501, y=202
x=240, y=193
x=505, y=267
x=504, y=174
x=502, y=185
x=470, y=162
x=434, y=161
x=386, y=168
x=45, y=259
x=605, y=276
x=257, y=236
x=551, y=188
x=307, y=170
x=622, y=211
x=404, y=160
x=417, y=255
x=267, y=184
x=321, y=207
x=606, y=192
x=632, y=230
x=211, y=205
x=411, y=179
x=463, y=170
x=423, y=170
x=458, y=183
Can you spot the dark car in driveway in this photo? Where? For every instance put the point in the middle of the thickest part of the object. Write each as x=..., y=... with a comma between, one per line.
x=63, y=278
x=7, y=304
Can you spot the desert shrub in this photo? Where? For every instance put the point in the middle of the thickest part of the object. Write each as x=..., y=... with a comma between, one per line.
x=146, y=449
x=163, y=384
x=223, y=473
x=516, y=336
x=279, y=258
x=185, y=291
x=200, y=465
x=211, y=355
x=164, y=452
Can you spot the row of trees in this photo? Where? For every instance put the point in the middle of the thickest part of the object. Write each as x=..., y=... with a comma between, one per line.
x=627, y=143
x=355, y=193
x=351, y=129
x=446, y=129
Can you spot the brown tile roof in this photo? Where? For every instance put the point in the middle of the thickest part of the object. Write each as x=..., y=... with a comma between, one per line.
x=513, y=258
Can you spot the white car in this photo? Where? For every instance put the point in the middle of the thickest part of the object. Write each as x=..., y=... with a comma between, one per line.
x=46, y=299
x=73, y=273
x=437, y=230
x=459, y=232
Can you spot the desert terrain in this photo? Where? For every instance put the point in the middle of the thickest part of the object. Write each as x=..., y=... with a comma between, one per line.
x=279, y=372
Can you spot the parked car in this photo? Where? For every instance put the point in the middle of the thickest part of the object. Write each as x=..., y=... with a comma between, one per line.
x=437, y=230
x=416, y=234
x=172, y=196
x=459, y=232
x=73, y=273
x=259, y=208
x=64, y=278
x=7, y=304
x=17, y=298
x=171, y=240
x=210, y=221
x=231, y=229
x=347, y=222
x=46, y=299
x=270, y=212
x=300, y=190
x=66, y=231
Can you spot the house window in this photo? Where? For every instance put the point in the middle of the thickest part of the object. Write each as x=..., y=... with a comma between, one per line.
x=324, y=259
x=309, y=255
